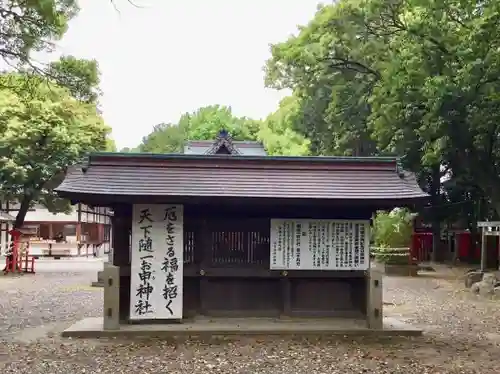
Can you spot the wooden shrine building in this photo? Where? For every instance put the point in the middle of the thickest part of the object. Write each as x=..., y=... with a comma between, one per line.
x=223, y=233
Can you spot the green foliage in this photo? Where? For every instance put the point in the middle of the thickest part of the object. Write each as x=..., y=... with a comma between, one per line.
x=393, y=229
x=392, y=232
x=393, y=256
x=440, y=89
x=333, y=91
x=43, y=132
x=32, y=25
x=110, y=145
x=81, y=77
x=205, y=123
x=277, y=134
x=126, y=150
x=202, y=124
x=415, y=78
x=165, y=138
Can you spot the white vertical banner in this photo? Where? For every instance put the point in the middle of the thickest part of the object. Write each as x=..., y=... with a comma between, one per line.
x=157, y=248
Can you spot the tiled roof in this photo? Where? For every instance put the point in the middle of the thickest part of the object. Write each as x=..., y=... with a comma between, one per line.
x=249, y=148
x=239, y=176
x=5, y=217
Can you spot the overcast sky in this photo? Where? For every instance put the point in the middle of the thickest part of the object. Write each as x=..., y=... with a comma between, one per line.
x=174, y=56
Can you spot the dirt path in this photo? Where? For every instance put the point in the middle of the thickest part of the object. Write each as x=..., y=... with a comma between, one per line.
x=462, y=336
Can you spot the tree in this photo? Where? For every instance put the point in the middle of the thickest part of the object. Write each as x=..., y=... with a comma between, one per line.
x=360, y=68
x=333, y=92
x=110, y=145
x=27, y=26
x=393, y=229
x=277, y=134
x=205, y=124
x=80, y=76
x=420, y=77
x=202, y=124
x=445, y=55
x=43, y=133
x=165, y=138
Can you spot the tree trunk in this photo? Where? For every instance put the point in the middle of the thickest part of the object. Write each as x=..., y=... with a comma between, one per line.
x=473, y=243
x=21, y=214
x=435, y=192
x=19, y=222
x=493, y=257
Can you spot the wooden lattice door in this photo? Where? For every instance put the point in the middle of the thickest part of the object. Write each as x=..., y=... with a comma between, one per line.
x=235, y=266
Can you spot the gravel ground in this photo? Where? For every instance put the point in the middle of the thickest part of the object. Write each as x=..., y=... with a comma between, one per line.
x=462, y=336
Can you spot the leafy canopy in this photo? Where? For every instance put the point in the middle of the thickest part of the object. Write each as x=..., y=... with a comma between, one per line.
x=415, y=78
x=277, y=134
x=32, y=25
x=43, y=133
x=393, y=229
x=205, y=124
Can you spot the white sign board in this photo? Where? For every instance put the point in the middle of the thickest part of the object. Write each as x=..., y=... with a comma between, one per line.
x=303, y=244
x=156, y=280
x=488, y=224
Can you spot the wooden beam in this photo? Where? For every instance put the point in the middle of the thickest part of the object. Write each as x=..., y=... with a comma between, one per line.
x=121, y=226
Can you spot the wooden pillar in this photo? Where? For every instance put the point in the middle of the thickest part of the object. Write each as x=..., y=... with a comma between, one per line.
x=78, y=232
x=484, y=249
x=286, y=294
x=204, y=252
x=100, y=232
x=456, y=247
x=497, y=240
x=79, y=237
x=121, y=225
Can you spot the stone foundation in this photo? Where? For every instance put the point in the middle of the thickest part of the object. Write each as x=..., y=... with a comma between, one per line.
x=110, y=277
x=401, y=270
x=211, y=329
x=100, y=279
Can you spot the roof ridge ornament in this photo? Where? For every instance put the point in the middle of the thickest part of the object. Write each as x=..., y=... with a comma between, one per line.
x=85, y=163
x=400, y=168
x=223, y=139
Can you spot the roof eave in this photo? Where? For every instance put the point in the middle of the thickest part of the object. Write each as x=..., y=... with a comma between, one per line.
x=264, y=158
x=391, y=201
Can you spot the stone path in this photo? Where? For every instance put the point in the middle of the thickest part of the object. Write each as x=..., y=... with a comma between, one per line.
x=463, y=336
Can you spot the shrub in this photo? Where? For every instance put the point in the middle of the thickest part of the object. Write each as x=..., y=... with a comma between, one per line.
x=393, y=229
x=392, y=256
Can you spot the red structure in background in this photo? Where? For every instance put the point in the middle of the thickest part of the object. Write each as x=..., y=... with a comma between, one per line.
x=17, y=262
x=464, y=244
x=463, y=247
x=456, y=243
x=421, y=246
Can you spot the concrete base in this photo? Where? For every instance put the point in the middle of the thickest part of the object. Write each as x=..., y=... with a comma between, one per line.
x=401, y=270
x=205, y=327
x=100, y=280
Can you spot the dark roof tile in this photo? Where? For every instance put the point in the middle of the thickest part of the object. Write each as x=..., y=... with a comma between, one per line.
x=270, y=182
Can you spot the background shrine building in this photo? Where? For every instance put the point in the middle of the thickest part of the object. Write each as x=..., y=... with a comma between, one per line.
x=225, y=230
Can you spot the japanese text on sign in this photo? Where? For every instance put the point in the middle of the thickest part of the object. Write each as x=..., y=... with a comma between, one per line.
x=319, y=244
x=157, y=262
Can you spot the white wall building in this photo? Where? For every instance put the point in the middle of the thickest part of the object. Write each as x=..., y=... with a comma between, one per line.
x=83, y=231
